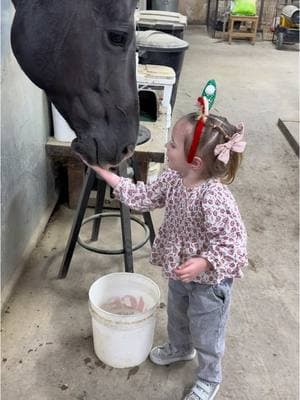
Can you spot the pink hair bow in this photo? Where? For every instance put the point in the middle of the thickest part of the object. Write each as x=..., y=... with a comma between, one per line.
x=236, y=144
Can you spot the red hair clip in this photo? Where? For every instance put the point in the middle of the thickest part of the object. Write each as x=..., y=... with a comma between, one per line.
x=199, y=128
x=205, y=103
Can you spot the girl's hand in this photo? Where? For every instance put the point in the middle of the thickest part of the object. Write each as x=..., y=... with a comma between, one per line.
x=99, y=170
x=189, y=270
x=111, y=178
x=96, y=168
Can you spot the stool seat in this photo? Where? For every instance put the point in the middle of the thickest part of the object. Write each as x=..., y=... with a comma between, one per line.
x=232, y=33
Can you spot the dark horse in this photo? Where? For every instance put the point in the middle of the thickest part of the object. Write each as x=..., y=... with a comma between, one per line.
x=82, y=53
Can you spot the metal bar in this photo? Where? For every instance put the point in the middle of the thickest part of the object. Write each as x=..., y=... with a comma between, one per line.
x=289, y=137
x=216, y=17
x=261, y=11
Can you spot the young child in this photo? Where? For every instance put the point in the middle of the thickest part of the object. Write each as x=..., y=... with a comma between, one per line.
x=201, y=245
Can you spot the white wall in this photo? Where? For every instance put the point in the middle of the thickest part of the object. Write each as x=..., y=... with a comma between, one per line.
x=27, y=184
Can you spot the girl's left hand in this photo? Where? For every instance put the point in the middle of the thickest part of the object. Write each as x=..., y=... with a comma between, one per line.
x=189, y=270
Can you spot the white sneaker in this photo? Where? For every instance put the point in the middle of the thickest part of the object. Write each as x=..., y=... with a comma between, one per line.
x=203, y=391
x=165, y=355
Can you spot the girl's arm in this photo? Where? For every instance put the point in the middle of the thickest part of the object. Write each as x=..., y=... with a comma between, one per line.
x=139, y=196
x=109, y=177
x=226, y=247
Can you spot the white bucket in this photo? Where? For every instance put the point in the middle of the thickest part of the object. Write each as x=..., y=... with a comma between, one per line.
x=62, y=130
x=123, y=341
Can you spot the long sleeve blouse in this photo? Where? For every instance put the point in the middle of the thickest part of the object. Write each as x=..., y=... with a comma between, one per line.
x=201, y=221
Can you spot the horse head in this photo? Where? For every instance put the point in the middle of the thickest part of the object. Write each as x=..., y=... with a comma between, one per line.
x=82, y=53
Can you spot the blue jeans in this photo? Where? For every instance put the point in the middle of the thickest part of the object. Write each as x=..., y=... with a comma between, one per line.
x=197, y=316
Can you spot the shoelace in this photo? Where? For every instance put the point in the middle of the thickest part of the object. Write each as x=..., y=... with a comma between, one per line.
x=194, y=397
x=203, y=388
x=167, y=349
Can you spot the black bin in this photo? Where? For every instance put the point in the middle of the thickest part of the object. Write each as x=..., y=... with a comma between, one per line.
x=169, y=22
x=159, y=48
x=165, y=5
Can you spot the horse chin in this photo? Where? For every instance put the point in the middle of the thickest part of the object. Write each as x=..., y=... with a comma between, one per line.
x=114, y=166
x=88, y=154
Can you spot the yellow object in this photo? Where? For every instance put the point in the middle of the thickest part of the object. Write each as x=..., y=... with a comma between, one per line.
x=289, y=17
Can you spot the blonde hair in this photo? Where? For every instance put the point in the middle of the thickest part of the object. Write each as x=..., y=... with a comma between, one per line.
x=217, y=130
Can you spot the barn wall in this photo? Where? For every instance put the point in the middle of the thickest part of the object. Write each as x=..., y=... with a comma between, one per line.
x=27, y=184
x=195, y=10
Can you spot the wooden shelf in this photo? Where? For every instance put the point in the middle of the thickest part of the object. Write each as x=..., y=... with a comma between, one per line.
x=234, y=34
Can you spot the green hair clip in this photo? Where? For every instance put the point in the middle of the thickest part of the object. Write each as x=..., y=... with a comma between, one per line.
x=210, y=92
x=207, y=99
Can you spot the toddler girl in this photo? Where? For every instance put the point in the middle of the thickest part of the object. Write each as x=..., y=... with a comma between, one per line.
x=201, y=244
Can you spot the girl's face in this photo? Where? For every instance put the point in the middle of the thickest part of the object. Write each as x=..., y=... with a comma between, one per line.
x=175, y=147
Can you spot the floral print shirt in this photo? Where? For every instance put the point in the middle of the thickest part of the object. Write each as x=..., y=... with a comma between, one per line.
x=201, y=221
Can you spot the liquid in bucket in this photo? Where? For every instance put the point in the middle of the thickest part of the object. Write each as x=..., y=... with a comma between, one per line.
x=126, y=305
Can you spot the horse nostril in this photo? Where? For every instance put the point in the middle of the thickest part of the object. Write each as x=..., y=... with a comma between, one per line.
x=128, y=150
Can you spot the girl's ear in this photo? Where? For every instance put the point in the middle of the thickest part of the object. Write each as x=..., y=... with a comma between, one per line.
x=197, y=163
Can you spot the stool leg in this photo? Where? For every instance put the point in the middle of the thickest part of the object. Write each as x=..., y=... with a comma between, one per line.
x=126, y=237
x=146, y=215
x=82, y=204
x=149, y=223
x=101, y=186
x=126, y=227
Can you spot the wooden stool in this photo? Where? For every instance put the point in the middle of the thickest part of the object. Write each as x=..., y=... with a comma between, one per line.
x=78, y=221
x=81, y=184
x=253, y=19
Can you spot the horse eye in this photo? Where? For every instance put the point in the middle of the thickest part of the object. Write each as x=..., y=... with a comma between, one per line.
x=117, y=38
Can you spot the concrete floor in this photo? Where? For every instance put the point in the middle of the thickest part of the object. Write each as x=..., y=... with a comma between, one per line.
x=47, y=348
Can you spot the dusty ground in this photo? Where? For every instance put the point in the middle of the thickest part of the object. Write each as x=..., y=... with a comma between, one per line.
x=47, y=348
